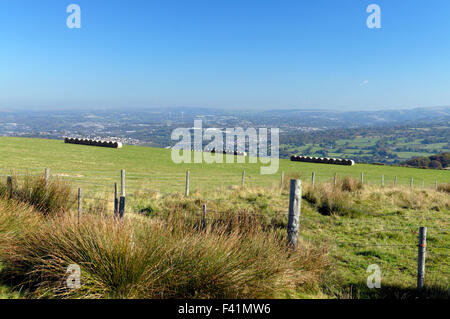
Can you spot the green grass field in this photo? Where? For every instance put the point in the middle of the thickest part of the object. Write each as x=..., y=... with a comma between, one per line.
x=94, y=168
x=381, y=228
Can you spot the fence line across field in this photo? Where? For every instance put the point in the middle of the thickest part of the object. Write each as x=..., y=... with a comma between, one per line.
x=365, y=178
x=245, y=178
x=293, y=228
x=294, y=220
x=293, y=215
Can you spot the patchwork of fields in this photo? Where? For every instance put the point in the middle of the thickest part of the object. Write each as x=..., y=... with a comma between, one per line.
x=363, y=147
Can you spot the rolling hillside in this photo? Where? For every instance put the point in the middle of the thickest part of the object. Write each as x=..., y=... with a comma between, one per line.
x=343, y=229
x=96, y=169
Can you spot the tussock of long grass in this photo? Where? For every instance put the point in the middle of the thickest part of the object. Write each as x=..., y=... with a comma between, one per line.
x=349, y=184
x=16, y=220
x=444, y=187
x=165, y=252
x=124, y=259
x=334, y=200
x=53, y=197
x=288, y=177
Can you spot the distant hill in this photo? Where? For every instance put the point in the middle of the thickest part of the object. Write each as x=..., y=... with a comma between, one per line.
x=349, y=119
x=437, y=161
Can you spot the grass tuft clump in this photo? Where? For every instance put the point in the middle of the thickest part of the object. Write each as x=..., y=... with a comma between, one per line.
x=330, y=200
x=16, y=220
x=444, y=188
x=350, y=184
x=50, y=198
x=122, y=259
x=288, y=177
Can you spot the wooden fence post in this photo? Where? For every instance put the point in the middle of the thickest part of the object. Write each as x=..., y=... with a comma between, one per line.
x=122, y=196
x=335, y=179
x=411, y=183
x=362, y=177
x=313, y=177
x=122, y=206
x=116, y=201
x=395, y=181
x=187, y=183
x=122, y=182
x=295, y=204
x=204, y=217
x=436, y=185
x=9, y=186
x=282, y=178
x=243, y=178
x=421, y=259
x=79, y=205
x=382, y=180
x=47, y=176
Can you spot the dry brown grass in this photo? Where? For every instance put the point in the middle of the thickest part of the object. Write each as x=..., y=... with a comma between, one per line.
x=155, y=258
x=350, y=198
x=17, y=219
x=249, y=210
x=331, y=200
x=404, y=198
x=288, y=177
x=54, y=197
x=163, y=252
x=444, y=188
x=349, y=184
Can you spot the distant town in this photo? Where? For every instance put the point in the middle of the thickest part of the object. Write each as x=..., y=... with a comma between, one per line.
x=380, y=136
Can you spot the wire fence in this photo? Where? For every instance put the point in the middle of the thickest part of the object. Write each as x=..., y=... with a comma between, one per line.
x=97, y=183
x=173, y=181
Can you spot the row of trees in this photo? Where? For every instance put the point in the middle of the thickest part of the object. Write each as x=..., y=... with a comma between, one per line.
x=438, y=161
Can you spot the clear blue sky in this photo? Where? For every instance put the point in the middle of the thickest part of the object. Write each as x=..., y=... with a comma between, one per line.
x=244, y=54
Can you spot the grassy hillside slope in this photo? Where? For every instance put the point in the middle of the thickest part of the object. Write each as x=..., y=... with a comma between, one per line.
x=359, y=226
x=98, y=168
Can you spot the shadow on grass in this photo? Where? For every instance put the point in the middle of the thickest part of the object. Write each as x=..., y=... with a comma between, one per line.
x=361, y=291
x=13, y=287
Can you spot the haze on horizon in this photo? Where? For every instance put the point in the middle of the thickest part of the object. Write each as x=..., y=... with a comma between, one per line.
x=224, y=54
